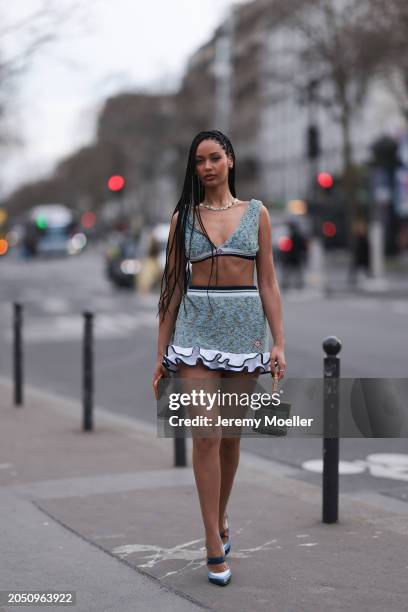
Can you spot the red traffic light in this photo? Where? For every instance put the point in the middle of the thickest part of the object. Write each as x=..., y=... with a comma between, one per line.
x=285, y=244
x=329, y=229
x=88, y=219
x=116, y=182
x=325, y=180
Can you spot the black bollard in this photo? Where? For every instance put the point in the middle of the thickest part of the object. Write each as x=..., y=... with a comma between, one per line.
x=88, y=378
x=331, y=370
x=18, y=353
x=180, y=455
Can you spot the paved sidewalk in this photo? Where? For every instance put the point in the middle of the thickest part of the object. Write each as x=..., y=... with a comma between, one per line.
x=105, y=514
x=390, y=287
x=334, y=281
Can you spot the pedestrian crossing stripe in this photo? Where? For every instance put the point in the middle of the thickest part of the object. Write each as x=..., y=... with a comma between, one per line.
x=71, y=327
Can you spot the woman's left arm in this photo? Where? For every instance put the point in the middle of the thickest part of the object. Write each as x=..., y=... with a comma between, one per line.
x=269, y=290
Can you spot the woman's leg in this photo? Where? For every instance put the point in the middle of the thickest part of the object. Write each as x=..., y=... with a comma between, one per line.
x=206, y=462
x=244, y=382
x=229, y=460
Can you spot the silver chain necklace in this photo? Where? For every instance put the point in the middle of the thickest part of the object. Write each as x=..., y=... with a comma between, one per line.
x=210, y=207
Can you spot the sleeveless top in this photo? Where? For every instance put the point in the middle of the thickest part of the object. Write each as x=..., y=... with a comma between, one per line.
x=242, y=243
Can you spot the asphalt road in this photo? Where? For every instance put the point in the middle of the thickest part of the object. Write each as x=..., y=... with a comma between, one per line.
x=55, y=292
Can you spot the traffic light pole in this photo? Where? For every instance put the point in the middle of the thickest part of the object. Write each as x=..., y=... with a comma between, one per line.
x=317, y=253
x=376, y=238
x=384, y=162
x=117, y=186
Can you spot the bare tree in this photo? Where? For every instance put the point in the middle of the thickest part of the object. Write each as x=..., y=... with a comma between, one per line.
x=340, y=53
x=389, y=24
x=22, y=37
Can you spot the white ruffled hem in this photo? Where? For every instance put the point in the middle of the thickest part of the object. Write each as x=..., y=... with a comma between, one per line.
x=216, y=360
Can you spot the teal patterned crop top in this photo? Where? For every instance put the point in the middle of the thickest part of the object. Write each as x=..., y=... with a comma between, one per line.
x=242, y=243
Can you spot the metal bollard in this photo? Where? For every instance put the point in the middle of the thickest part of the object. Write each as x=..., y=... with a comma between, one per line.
x=18, y=353
x=88, y=377
x=331, y=371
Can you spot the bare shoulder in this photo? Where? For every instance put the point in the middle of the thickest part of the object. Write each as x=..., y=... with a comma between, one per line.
x=173, y=223
x=264, y=217
x=174, y=218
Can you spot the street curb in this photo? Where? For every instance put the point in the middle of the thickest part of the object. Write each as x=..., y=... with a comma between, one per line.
x=384, y=295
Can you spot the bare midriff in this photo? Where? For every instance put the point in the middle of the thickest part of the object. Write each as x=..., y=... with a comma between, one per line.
x=231, y=271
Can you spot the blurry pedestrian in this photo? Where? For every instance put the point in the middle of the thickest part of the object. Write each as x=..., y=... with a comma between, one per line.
x=360, y=254
x=150, y=272
x=294, y=259
x=30, y=240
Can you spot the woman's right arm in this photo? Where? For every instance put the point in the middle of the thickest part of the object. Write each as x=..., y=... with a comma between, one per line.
x=166, y=324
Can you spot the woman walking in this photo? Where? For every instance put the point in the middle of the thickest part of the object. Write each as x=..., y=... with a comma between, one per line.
x=214, y=325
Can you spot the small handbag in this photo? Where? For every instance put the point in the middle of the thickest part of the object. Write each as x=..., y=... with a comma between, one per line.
x=281, y=411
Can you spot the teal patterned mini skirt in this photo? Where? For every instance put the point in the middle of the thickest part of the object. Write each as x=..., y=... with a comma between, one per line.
x=224, y=328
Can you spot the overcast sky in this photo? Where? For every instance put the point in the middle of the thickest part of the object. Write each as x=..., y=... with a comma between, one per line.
x=107, y=47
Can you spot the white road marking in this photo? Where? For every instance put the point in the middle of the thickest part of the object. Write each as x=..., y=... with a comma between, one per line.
x=70, y=327
x=55, y=305
x=345, y=467
x=380, y=465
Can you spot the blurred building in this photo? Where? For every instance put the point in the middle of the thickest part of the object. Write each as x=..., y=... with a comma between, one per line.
x=139, y=127
x=222, y=89
x=286, y=171
x=247, y=89
x=232, y=83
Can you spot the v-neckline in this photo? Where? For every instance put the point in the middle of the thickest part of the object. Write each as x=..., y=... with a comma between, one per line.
x=218, y=246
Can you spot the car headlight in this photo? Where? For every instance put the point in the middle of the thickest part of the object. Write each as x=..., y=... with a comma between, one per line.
x=77, y=243
x=130, y=266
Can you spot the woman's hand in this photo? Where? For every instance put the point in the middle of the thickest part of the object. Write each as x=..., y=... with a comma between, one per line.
x=159, y=372
x=278, y=354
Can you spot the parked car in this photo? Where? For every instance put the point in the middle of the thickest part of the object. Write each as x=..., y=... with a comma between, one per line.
x=52, y=230
x=123, y=260
x=124, y=255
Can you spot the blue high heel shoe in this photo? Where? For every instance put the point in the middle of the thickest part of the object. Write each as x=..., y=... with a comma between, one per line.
x=220, y=578
x=227, y=544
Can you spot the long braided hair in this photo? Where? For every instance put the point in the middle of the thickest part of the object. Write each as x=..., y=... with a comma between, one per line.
x=192, y=194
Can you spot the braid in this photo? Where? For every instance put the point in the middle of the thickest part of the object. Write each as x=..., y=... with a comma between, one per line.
x=225, y=143
x=192, y=194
